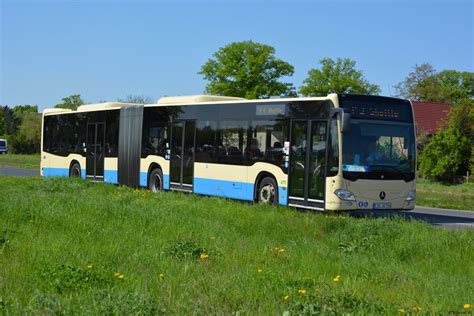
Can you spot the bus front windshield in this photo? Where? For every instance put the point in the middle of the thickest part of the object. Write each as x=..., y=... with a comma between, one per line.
x=379, y=150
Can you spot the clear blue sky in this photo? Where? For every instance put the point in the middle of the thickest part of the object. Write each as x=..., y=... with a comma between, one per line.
x=106, y=49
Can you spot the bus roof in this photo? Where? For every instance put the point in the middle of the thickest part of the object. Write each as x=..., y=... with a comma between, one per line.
x=196, y=99
x=209, y=99
x=90, y=107
x=187, y=100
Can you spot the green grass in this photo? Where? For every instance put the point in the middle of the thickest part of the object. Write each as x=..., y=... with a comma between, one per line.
x=459, y=197
x=53, y=229
x=31, y=162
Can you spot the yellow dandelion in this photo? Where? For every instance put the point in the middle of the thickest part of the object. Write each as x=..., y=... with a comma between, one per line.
x=401, y=310
x=162, y=275
x=121, y=277
x=116, y=274
x=203, y=256
x=418, y=308
x=337, y=278
x=467, y=306
x=281, y=250
x=286, y=297
x=259, y=270
x=302, y=291
x=89, y=266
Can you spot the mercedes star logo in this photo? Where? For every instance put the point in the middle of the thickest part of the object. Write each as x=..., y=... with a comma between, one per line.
x=382, y=195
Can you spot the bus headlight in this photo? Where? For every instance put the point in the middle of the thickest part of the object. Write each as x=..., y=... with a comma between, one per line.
x=411, y=196
x=345, y=195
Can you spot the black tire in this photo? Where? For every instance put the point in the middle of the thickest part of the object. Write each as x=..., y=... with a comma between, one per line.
x=75, y=171
x=267, y=192
x=155, y=180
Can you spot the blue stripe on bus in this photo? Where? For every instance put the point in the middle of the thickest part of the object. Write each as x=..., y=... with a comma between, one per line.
x=111, y=176
x=282, y=196
x=228, y=189
x=143, y=179
x=166, y=181
x=56, y=172
x=60, y=172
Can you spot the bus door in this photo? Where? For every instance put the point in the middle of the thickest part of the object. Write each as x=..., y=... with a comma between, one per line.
x=182, y=155
x=307, y=168
x=95, y=151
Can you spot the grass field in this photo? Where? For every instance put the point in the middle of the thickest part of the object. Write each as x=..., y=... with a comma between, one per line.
x=75, y=247
x=458, y=197
x=31, y=162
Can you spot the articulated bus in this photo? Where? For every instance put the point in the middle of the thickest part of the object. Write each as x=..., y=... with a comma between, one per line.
x=340, y=152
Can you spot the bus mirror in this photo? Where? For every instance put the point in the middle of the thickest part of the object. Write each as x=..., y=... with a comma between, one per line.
x=345, y=122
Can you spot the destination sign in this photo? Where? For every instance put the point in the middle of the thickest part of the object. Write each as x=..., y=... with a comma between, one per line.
x=270, y=109
x=378, y=109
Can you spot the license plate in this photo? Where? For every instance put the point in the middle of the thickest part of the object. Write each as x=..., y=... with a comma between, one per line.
x=382, y=206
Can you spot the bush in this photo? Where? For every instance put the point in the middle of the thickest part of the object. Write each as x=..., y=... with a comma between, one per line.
x=445, y=155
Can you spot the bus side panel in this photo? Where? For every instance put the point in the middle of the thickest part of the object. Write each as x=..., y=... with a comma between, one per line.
x=145, y=166
x=111, y=170
x=58, y=166
x=277, y=172
x=236, y=182
x=223, y=180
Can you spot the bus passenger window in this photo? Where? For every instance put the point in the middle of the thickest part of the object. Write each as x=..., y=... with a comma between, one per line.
x=232, y=137
x=155, y=140
x=205, y=141
x=267, y=139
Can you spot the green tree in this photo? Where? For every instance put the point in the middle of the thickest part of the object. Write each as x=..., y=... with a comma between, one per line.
x=442, y=158
x=416, y=85
x=337, y=76
x=28, y=137
x=2, y=121
x=450, y=151
x=20, y=110
x=71, y=102
x=10, y=120
x=447, y=86
x=248, y=70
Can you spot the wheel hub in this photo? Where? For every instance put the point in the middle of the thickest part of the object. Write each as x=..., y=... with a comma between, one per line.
x=156, y=184
x=267, y=193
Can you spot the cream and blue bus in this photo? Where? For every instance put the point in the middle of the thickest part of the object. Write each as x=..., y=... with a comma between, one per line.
x=340, y=152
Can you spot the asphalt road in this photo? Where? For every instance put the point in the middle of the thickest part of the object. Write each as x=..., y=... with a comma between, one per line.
x=435, y=216
x=18, y=172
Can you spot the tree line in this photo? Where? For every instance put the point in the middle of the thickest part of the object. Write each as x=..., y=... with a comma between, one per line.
x=252, y=70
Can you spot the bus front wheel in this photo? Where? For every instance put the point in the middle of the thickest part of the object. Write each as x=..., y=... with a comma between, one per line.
x=155, y=182
x=267, y=191
x=75, y=171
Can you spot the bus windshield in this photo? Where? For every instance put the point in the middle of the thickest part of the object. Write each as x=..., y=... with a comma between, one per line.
x=379, y=150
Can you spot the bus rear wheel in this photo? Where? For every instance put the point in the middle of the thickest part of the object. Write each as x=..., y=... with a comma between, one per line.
x=267, y=191
x=75, y=171
x=155, y=182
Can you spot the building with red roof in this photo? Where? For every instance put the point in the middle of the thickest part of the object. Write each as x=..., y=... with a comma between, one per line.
x=429, y=116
